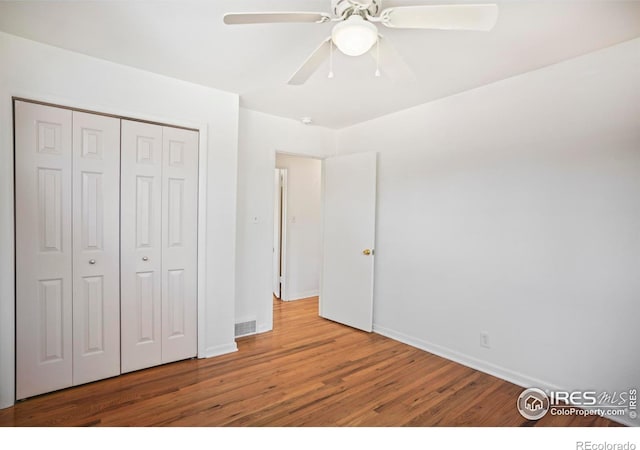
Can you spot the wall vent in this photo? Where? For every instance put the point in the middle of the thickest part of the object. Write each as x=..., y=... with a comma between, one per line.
x=245, y=328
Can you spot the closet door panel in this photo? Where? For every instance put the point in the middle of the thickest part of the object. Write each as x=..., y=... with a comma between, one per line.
x=96, y=247
x=141, y=246
x=179, y=244
x=43, y=249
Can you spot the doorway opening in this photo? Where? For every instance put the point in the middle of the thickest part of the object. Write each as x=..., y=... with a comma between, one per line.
x=297, y=227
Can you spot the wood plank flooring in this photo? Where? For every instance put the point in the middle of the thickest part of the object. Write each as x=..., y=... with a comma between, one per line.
x=307, y=372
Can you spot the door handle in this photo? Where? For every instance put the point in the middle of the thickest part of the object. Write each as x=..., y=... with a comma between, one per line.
x=145, y=258
x=367, y=252
x=92, y=261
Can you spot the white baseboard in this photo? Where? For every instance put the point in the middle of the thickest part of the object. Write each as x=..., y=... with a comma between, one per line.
x=300, y=295
x=218, y=350
x=474, y=363
x=511, y=376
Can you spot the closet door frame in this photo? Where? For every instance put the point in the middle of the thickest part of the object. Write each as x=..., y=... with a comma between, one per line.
x=202, y=129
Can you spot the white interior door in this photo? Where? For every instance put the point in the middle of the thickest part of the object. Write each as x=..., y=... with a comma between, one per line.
x=277, y=227
x=141, y=245
x=179, y=244
x=96, y=247
x=349, y=210
x=43, y=249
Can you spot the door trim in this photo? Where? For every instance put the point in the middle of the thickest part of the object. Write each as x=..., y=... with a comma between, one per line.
x=89, y=111
x=283, y=238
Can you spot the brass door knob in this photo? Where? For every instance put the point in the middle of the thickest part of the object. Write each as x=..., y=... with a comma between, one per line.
x=366, y=251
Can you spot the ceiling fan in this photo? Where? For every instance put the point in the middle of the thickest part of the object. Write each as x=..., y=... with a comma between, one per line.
x=355, y=32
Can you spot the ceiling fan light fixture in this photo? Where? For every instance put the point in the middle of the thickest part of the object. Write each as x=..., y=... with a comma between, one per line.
x=355, y=36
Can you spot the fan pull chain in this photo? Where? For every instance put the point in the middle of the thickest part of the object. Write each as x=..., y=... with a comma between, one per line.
x=330, y=59
x=378, y=57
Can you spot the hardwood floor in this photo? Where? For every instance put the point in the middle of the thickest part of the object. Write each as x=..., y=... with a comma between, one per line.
x=307, y=372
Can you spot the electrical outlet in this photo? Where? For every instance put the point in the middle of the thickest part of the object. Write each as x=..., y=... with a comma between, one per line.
x=484, y=339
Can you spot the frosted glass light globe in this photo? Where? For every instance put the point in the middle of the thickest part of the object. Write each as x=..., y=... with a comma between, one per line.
x=355, y=36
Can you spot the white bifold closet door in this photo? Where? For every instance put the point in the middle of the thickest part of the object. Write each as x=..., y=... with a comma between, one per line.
x=96, y=247
x=67, y=280
x=158, y=244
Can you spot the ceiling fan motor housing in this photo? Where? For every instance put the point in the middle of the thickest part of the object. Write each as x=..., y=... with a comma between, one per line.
x=341, y=8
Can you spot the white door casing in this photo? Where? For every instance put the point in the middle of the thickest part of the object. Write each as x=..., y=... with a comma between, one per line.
x=179, y=243
x=277, y=217
x=141, y=245
x=349, y=211
x=96, y=247
x=43, y=249
x=284, y=231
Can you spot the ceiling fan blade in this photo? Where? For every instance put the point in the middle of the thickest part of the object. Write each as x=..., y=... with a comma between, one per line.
x=442, y=17
x=391, y=64
x=312, y=63
x=275, y=17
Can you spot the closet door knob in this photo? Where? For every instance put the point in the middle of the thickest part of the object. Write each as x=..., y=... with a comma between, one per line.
x=145, y=258
x=92, y=261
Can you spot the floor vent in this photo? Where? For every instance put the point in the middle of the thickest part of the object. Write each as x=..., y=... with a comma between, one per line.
x=245, y=328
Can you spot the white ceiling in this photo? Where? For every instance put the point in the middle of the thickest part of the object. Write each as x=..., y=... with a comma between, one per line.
x=187, y=39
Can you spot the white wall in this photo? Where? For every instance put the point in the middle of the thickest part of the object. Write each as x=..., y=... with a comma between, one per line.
x=514, y=209
x=41, y=72
x=261, y=135
x=303, y=246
